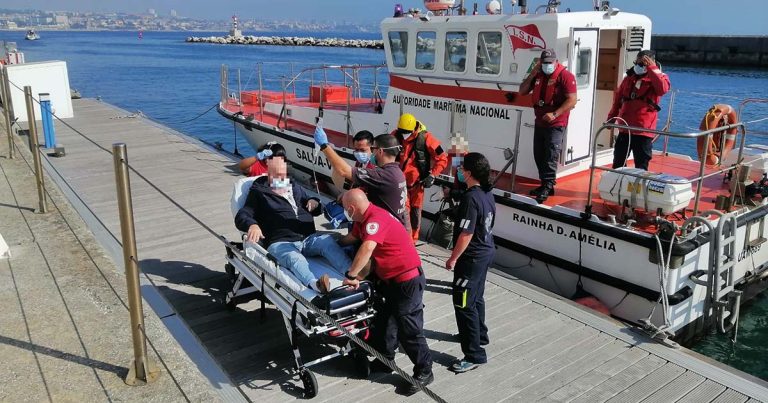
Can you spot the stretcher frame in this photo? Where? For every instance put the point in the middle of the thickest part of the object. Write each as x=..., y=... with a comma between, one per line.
x=298, y=318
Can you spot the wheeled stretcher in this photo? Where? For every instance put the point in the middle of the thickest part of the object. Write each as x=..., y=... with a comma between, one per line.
x=256, y=274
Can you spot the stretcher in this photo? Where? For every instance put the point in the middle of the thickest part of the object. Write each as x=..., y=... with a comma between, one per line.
x=255, y=274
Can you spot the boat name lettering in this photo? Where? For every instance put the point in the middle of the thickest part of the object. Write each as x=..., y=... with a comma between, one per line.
x=495, y=112
x=748, y=251
x=582, y=237
x=308, y=157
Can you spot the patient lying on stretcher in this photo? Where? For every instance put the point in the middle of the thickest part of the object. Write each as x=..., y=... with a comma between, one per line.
x=280, y=213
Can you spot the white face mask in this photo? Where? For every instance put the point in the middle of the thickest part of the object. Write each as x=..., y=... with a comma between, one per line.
x=348, y=215
x=548, y=68
x=639, y=70
x=280, y=184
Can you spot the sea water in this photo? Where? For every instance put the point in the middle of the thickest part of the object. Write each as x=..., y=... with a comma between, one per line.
x=177, y=83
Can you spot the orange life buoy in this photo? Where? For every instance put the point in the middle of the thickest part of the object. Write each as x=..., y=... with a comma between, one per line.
x=717, y=116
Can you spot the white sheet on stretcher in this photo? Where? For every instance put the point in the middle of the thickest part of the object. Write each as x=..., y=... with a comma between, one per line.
x=318, y=266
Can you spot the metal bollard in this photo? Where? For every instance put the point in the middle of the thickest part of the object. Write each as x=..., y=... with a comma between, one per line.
x=46, y=116
x=142, y=370
x=5, y=94
x=35, y=149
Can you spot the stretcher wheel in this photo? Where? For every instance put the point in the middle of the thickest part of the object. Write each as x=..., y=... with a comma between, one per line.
x=310, y=384
x=231, y=305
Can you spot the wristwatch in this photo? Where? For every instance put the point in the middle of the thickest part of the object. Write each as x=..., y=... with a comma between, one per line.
x=346, y=274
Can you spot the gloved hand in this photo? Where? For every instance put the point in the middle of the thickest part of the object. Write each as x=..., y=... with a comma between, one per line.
x=320, y=136
x=428, y=181
x=264, y=154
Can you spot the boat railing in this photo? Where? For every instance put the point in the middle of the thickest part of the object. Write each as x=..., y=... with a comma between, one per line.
x=699, y=179
x=359, y=80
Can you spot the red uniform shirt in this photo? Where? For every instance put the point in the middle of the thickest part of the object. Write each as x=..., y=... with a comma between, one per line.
x=560, y=87
x=637, y=97
x=258, y=168
x=394, y=253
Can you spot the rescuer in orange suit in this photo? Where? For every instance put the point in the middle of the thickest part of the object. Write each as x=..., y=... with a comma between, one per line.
x=421, y=160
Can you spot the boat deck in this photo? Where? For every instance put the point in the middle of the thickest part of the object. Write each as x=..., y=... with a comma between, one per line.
x=571, y=190
x=543, y=348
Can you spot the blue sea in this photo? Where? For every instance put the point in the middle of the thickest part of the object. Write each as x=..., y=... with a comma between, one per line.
x=173, y=82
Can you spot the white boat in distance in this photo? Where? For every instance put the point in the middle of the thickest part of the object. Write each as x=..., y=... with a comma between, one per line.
x=673, y=249
x=32, y=35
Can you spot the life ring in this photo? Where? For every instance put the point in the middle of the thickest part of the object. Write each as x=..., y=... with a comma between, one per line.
x=718, y=115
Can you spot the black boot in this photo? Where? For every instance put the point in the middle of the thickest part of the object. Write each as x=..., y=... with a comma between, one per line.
x=537, y=191
x=545, y=193
x=423, y=379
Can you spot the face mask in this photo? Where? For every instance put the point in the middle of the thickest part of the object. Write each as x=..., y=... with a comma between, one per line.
x=460, y=175
x=373, y=160
x=348, y=216
x=639, y=69
x=362, y=157
x=280, y=184
x=548, y=68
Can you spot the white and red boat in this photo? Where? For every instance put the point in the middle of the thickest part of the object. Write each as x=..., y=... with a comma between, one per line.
x=673, y=249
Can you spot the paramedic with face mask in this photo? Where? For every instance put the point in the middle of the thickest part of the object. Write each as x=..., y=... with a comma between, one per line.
x=278, y=211
x=553, y=91
x=636, y=103
x=378, y=175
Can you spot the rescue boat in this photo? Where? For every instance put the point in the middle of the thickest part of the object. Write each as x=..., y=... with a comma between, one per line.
x=671, y=249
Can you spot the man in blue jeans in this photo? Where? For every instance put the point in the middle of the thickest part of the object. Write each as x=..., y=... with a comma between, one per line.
x=280, y=212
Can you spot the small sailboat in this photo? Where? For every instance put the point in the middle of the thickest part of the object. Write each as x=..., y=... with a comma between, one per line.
x=141, y=35
x=32, y=35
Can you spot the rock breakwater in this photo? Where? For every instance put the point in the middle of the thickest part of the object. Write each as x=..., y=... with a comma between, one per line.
x=288, y=41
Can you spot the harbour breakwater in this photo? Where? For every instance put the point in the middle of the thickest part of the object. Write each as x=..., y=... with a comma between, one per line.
x=747, y=51
x=289, y=41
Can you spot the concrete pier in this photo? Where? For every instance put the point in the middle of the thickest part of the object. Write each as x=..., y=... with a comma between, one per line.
x=288, y=41
x=749, y=51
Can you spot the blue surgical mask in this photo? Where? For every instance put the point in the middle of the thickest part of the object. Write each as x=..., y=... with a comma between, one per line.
x=279, y=184
x=362, y=157
x=639, y=69
x=548, y=68
x=373, y=160
x=460, y=175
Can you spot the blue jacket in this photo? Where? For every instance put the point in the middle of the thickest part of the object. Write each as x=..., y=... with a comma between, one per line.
x=274, y=214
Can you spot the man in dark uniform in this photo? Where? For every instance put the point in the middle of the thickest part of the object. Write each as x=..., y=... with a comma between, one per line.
x=384, y=183
x=554, y=95
x=401, y=282
x=472, y=253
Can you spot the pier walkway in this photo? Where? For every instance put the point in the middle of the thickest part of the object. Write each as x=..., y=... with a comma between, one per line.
x=64, y=326
x=543, y=348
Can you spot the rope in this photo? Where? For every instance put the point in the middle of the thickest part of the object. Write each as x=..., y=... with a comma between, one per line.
x=140, y=113
x=390, y=363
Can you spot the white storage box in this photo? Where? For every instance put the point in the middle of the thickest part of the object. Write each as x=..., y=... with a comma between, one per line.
x=646, y=193
x=755, y=156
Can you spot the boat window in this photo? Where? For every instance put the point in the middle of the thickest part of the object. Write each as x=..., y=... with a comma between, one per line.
x=583, y=67
x=398, y=45
x=488, y=53
x=425, y=50
x=455, y=51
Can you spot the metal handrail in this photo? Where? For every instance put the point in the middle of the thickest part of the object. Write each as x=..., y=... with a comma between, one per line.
x=699, y=179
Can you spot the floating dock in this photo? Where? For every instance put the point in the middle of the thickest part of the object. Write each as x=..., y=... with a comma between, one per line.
x=543, y=347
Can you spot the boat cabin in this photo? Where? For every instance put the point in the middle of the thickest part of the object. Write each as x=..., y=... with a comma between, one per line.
x=460, y=75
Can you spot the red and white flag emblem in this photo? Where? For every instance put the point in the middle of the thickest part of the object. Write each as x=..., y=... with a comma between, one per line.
x=525, y=37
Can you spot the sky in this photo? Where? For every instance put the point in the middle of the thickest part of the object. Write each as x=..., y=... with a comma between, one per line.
x=713, y=17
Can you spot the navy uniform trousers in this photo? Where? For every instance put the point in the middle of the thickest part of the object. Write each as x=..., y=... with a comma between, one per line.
x=469, y=290
x=401, y=319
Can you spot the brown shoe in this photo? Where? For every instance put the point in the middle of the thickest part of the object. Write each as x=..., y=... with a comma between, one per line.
x=324, y=284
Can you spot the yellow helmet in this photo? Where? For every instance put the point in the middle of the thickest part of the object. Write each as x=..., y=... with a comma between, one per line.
x=407, y=122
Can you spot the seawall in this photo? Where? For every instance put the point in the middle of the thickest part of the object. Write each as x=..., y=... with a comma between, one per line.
x=749, y=51
x=288, y=41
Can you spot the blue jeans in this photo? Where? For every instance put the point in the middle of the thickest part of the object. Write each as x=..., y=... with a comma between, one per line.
x=293, y=255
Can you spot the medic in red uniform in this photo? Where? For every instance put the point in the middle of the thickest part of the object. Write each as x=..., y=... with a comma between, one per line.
x=398, y=267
